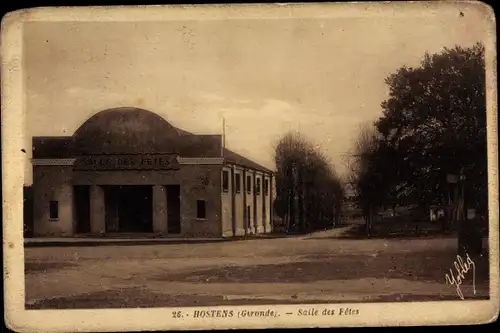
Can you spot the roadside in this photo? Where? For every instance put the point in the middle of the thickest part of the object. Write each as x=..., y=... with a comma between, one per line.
x=288, y=270
x=102, y=241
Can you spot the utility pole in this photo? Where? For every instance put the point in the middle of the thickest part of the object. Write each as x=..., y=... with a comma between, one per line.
x=223, y=143
x=469, y=238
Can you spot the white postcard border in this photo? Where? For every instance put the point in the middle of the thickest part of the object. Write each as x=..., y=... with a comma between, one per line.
x=370, y=314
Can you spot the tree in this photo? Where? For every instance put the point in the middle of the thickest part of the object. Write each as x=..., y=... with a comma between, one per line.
x=435, y=122
x=307, y=187
x=370, y=173
x=289, y=155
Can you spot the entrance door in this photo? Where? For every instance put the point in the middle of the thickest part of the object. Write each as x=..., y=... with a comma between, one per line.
x=129, y=209
x=82, y=208
x=174, y=209
x=135, y=211
x=112, y=198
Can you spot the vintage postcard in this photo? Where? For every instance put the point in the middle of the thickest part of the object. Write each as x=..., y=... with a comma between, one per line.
x=250, y=166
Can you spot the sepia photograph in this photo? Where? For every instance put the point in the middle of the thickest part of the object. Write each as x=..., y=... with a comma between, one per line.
x=271, y=165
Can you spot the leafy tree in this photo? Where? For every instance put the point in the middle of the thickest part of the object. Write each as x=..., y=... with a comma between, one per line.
x=435, y=123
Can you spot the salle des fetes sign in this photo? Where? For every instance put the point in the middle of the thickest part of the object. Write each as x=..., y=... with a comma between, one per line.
x=128, y=162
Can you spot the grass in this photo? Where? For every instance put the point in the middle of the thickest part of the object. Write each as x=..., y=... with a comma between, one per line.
x=408, y=227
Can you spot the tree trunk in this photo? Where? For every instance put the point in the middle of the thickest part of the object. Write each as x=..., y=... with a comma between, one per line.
x=370, y=226
x=302, y=219
x=300, y=203
x=337, y=215
x=292, y=211
x=444, y=220
x=368, y=221
x=287, y=215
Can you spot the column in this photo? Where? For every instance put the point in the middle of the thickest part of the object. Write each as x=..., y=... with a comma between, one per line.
x=244, y=195
x=255, y=200
x=160, y=220
x=233, y=201
x=66, y=207
x=97, y=210
x=271, y=203
x=264, y=203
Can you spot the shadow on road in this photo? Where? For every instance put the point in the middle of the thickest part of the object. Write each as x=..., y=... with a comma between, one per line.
x=430, y=266
x=36, y=267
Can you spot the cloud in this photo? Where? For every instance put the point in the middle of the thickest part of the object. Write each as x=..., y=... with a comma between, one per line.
x=241, y=101
x=211, y=97
x=95, y=94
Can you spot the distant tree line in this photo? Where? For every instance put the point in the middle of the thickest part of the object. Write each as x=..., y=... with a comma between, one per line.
x=433, y=126
x=308, y=191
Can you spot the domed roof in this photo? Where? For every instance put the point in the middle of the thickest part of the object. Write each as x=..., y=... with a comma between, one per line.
x=125, y=130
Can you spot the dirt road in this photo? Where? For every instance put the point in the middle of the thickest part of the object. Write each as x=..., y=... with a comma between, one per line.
x=311, y=269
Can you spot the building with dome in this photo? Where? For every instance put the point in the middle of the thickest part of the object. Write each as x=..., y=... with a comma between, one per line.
x=127, y=171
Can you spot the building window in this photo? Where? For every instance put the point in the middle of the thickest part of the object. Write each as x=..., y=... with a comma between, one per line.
x=201, y=209
x=249, y=184
x=266, y=187
x=225, y=181
x=54, y=210
x=257, y=186
x=238, y=183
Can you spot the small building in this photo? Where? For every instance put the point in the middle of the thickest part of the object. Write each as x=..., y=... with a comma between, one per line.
x=128, y=171
x=436, y=213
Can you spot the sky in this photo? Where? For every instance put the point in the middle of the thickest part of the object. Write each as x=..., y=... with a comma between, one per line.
x=321, y=76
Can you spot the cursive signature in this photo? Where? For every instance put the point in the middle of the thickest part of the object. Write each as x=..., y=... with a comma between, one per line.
x=462, y=267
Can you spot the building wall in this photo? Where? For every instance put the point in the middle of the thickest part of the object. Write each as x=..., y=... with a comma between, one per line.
x=239, y=208
x=53, y=183
x=227, y=210
x=197, y=182
x=249, y=193
x=259, y=224
x=268, y=201
x=201, y=182
x=28, y=210
x=235, y=204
